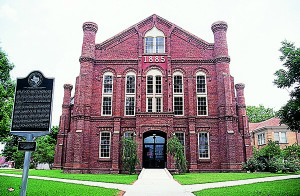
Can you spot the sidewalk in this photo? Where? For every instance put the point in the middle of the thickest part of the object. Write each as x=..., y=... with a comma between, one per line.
x=199, y=187
x=156, y=182
x=122, y=187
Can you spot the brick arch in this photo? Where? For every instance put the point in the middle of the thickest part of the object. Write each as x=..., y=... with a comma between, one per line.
x=108, y=69
x=163, y=71
x=180, y=70
x=201, y=69
x=128, y=70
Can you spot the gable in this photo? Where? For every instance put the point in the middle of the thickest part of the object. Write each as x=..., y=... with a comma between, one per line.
x=129, y=43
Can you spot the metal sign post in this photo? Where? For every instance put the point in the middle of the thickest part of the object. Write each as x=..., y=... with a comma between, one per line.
x=31, y=114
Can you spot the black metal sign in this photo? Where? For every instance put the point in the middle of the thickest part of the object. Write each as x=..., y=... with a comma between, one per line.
x=33, y=104
x=26, y=146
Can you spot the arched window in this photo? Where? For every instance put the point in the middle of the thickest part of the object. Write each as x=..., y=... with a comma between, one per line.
x=154, y=91
x=178, y=101
x=154, y=41
x=201, y=90
x=130, y=93
x=107, y=94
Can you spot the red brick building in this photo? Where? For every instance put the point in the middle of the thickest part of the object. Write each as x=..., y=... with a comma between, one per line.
x=150, y=82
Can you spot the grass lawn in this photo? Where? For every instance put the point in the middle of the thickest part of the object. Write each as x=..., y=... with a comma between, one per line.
x=281, y=187
x=110, y=178
x=42, y=187
x=200, y=178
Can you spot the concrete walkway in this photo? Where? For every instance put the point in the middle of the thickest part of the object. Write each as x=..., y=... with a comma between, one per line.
x=122, y=187
x=156, y=182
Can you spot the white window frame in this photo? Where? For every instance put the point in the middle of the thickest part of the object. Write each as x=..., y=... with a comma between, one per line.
x=178, y=94
x=154, y=95
x=261, y=139
x=280, y=135
x=107, y=94
x=126, y=134
x=109, y=144
x=183, y=133
x=201, y=94
x=129, y=94
x=154, y=33
x=208, y=144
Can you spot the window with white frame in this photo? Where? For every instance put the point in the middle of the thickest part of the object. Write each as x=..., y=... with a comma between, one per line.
x=107, y=94
x=280, y=137
x=130, y=94
x=128, y=135
x=178, y=102
x=261, y=139
x=203, y=145
x=105, y=143
x=181, y=138
x=154, y=41
x=201, y=90
x=154, y=91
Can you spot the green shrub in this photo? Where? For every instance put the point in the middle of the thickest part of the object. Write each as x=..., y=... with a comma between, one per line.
x=291, y=165
x=129, y=157
x=276, y=164
x=175, y=148
x=253, y=164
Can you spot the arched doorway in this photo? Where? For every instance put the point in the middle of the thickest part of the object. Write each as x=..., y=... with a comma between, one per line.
x=154, y=149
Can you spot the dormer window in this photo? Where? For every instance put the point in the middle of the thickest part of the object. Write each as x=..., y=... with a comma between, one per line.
x=154, y=41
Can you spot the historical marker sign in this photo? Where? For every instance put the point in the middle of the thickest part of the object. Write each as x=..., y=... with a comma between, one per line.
x=33, y=104
x=26, y=146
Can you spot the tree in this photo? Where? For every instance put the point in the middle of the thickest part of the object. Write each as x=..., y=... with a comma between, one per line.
x=290, y=78
x=175, y=148
x=45, y=148
x=129, y=157
x=7, y=90
x=259, y=114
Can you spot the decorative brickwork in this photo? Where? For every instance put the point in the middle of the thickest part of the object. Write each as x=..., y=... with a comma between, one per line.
x=138, y=94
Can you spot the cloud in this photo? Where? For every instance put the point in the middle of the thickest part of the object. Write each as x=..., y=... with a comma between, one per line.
x=8, y=12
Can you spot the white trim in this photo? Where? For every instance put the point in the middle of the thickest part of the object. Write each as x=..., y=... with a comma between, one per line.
x=100, y=145
x=208, y=144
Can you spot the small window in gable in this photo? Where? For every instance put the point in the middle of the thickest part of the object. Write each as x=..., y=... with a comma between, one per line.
x=154, y=41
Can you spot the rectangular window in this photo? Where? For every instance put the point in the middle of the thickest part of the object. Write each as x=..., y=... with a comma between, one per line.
x=261, y=139
x=158, y=104
x=180, y=136
x=178, y=106
x=160, y=45
x=104, y=145
x=149, y=104
x=130, y=107
x=107, y=84
x=177, y=84
x=201, y=86
x=202, y=106
x=149, y=45
x=130, y=84
x=106, y=106
x=280, y=137
x=149, y=84
x=128, y=135
x=158, y=84
x=203, y=145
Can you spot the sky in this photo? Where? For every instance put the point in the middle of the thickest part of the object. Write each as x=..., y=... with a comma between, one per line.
x=47, y=36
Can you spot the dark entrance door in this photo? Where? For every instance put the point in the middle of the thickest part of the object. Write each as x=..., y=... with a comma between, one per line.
x=154, y=151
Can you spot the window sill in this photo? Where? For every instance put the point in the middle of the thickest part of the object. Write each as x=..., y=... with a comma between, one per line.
x=204, y=160
x=104, y=160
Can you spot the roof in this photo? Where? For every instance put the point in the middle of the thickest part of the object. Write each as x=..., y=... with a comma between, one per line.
x=273, y=122
x=155, y=20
